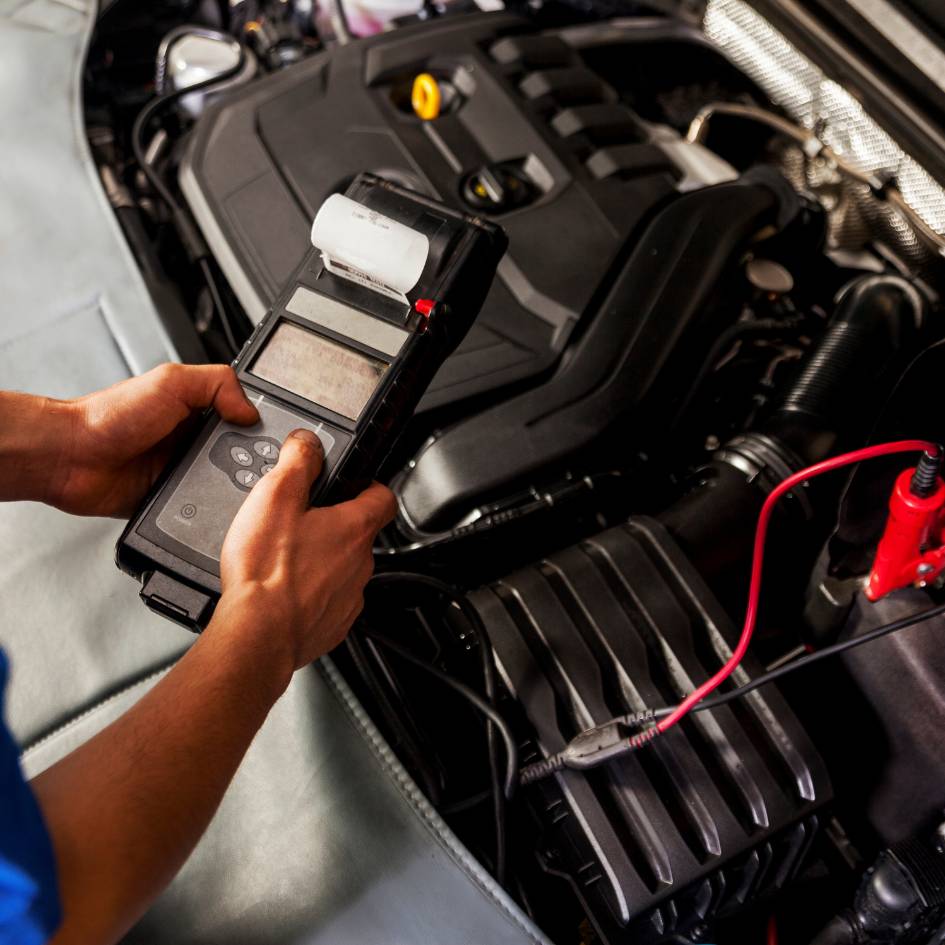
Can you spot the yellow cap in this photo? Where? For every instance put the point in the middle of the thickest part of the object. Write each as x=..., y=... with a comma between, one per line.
x=425, y=97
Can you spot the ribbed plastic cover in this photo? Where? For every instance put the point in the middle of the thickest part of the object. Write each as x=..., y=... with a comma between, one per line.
x=704, y=819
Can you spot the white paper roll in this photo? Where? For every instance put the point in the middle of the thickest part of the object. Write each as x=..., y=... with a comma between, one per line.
x=353, y=237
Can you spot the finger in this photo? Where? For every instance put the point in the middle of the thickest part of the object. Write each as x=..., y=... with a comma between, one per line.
x=374, y=508
x=283, y=493
x=132, y=416
x=300, y=461
x=204, y=385
x=216, y=385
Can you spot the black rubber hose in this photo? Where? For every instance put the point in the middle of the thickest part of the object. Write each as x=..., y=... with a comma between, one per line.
x=900, y=897
x=157, y=105
x=193, y=241
x=875, y=318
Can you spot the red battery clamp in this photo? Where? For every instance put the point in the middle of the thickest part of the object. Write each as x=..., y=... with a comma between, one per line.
x=911, y=551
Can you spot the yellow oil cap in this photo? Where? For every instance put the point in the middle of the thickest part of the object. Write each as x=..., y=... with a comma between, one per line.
x=425, y=97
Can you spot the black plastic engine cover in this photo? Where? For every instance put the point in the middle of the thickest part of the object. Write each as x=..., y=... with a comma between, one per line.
x=261, y=162
x=654, y=327
x=715, y=813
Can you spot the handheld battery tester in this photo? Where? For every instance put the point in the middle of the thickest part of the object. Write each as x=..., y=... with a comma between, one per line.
x=391, y=286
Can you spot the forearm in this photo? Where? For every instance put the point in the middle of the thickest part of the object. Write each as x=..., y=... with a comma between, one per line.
x=126, y=809
x=36, y=435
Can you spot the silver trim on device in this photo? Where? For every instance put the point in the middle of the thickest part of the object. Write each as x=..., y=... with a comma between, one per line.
x=336, y=316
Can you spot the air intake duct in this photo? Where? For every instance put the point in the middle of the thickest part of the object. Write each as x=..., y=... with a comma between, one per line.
x=876, y=318
x=826, y=406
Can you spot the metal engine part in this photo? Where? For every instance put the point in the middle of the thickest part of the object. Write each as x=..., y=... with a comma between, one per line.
x=805, y=93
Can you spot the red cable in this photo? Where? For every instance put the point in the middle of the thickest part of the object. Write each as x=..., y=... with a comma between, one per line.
x=754, y=591
x=772, y=931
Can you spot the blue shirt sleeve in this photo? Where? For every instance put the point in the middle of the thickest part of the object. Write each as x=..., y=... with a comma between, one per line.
x=29, y=893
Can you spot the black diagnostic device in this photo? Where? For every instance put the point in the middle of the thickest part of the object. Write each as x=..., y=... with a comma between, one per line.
x=391, y=286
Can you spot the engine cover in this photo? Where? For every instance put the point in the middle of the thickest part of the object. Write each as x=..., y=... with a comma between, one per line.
x=715, y=813
x=591, y=171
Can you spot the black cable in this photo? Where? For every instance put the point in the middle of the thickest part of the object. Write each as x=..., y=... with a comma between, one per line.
x=141, y=122
x=470, y=695
x=467, y=803
x=478, y=629
x=217, y=299
x=713, y=702
x=545, y=502
x=604, y=742
x=150, y=110
x=430, y=783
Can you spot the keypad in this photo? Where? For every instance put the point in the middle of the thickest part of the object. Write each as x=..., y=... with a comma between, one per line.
x=245, y=459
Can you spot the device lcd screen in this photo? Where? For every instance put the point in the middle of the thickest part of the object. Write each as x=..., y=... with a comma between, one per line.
x=319, y=370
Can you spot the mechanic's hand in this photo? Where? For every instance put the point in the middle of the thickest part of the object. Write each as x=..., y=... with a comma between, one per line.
x=293, y=576
x=118, y=440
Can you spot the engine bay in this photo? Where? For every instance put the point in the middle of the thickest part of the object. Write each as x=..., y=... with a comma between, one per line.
x=711, y=297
